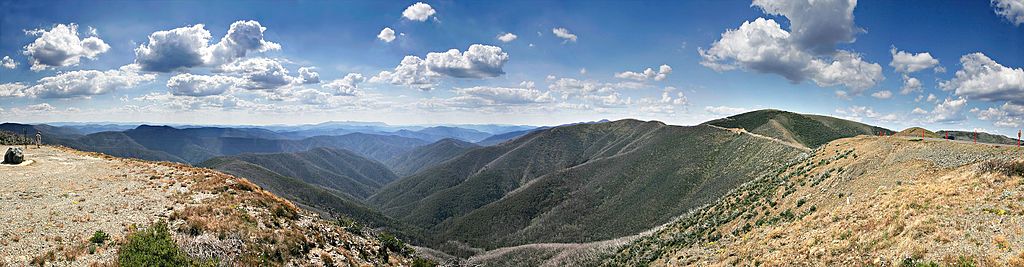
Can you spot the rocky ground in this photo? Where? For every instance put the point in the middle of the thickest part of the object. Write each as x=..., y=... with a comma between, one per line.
x=52, y=206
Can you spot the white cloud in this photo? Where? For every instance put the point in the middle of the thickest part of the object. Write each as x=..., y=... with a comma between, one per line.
x=418, y=12
x=816, y=25
x=583, y=71
x=9, y=63
x=88, y=82
x=1012, y=10
x=172, y=102
x=61, y=46
x=1007, y=115
x=948, y=111
x=883, y=94
x=188, y=47
x=411, y=72
x=260, y=73
x=564, y=34
x=15, y=89
x=661, y=74
x=919, y=111
x=347, y=86
x=40, y=107
x=308, y=75
x=479, y=61
x=910, y=85
x=932, y=98
x=983, y=78
x=763, y=46
x=858, y=113
x=507, y=37
x=242, y=36
x=725, y=110
x=187, y=84
x=844, y=95
x=506, y=95
x=387, y=35
x=905, y=62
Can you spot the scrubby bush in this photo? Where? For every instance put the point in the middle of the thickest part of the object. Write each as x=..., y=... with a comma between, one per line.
x=99, y=237
x=152, y=246
x=421, y=262
x=1005, y=167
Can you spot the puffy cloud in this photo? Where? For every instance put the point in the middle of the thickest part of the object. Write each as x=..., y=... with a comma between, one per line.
x=308, y=75
x=347, y=86
x=932, y=98
x=983, y=78
x=479, y=61
x=200, y=85
x=905, y=62
x=919, y=111
x=61, y=46
x=242, y=36
x=1012, y=10
x=13, y=89
x=88, y=82
x=507, y=95
x=910, y=84
x=40, y=107
x=857, y=113
x=260, y=73
x=387, y=35
x=661, y=74
x=1007, y=115
x=507, y=37
x=564, y=34
x=725, y=110
x=411, y=72
x=189, y=47
x=948, y=111
x=191, y=103
x=666, y=104
x=816, y=25
x=418, y=12
x=883, y=94
x=9, y=62
x=763, y=46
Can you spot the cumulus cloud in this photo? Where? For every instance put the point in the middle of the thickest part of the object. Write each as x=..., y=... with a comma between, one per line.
x=507, y=37
x=81, y=83
x=347, y=86
x=40, y=107
x=479, y=61
x=260, y=73
x=1007, y=115
x=905, y=62
x=15, y=89
x=61, y=46
x=816, y=25
x=308, y=75
x=763, y=46
x=9, y=63
x=649, y=73
x=910, y=85
x=883, y=94
x=1012, y=10
x=983, y=78
x=187, y=84
x=507, y=95
x=858, y=113
x=725, y=110
x=564, y=34
x=418, y=12
x=387, y=35
x=919, y=111
x=188, y=47
x=948, y=111
x=173, y=102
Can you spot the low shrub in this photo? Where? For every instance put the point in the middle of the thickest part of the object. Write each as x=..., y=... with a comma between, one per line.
x=99, y=237
x=152, y=246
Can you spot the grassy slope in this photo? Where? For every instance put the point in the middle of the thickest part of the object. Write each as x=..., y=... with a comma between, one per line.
x=856, y=201
x=577, y=183
x=982, y=137
x=808, y=130
x=427, y=156
x=917, y=132
x=324, y=201
x=337, y=169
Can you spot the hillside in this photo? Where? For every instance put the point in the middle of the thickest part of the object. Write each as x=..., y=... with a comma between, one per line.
x=917, y=132
x=808, y=130
x=335, y=169
x=858, y=201
x=578, y=183
x=71, y=208
x=427, y=156
x=982, y=137
x=500, y=138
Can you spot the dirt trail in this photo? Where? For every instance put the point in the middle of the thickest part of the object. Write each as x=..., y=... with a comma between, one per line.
x=64, y=196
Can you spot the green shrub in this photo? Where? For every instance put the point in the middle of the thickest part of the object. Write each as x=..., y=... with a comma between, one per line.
x=152, y=246
x=421, y=262
x=99, y=237
x=391, y=243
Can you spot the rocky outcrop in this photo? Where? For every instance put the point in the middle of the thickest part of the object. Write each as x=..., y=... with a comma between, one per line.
x=14, y=155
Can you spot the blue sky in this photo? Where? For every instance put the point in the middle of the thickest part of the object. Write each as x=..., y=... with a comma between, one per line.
x=835, y=57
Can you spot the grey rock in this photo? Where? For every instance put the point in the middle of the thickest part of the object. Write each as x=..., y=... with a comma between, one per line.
x=14, y=155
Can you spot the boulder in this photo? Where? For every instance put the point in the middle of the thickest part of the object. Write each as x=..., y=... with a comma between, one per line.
x=14, y=155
